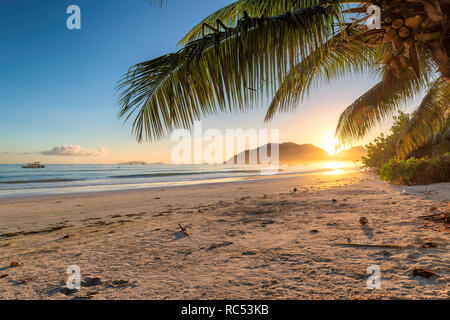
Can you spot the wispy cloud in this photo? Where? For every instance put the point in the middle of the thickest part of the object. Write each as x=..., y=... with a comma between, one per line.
x=69, y=150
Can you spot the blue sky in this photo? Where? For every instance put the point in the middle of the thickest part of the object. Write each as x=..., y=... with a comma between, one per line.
x=57, y=86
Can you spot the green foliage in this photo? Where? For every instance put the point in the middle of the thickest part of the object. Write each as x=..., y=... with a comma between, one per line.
x=382, y=156
x=430, y=119
x=378, y=153
x=417, y=171
x=382, y=149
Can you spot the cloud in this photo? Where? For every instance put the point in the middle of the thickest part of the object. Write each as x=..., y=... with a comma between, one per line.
x=68, y=150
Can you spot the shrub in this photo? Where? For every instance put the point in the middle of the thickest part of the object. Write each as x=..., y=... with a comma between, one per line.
x=382, y=149
x=417, y=171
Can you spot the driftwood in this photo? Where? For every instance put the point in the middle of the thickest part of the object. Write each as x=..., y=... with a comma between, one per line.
x=368, y=245
x=185, y=231
x=424, y=273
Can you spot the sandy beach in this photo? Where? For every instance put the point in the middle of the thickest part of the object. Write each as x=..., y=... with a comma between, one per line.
x=248, y=240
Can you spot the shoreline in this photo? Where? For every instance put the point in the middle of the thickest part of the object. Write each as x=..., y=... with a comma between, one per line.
x=182, y=184
x=254, y=239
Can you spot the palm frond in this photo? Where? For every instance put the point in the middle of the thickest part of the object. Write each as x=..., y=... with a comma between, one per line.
x=344, y=53
x=428, y=120
x=158, y=3
x=383, y=99
x=223, y=70
x=231, y=13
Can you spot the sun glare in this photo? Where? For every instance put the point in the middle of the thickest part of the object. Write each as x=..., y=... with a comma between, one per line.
x=330, y=143
x=335, y=165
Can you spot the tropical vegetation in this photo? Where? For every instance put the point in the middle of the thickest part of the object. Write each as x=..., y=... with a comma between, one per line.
x=383, y=148
x=417, y=171
x=428, y=164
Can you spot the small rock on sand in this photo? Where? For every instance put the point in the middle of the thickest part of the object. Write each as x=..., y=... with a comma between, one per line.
x=424, y=273
x=429, y=245
x=15, y=264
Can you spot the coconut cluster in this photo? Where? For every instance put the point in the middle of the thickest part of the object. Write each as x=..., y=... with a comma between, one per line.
x=398, y=64
x=402, y=33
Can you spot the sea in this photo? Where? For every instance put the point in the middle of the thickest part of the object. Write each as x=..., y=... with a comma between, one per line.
x=54, y=179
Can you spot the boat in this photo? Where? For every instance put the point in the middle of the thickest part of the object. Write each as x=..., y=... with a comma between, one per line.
x=34, y=165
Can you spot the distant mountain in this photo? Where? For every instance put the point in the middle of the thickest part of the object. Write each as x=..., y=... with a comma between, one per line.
x=132, y=163
x=141, y=163
x=292, y=153
x=352, y=154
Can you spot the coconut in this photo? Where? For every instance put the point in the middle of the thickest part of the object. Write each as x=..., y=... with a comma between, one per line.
x=392, y=32
x=388, y=58
x=395, y=63
x=420, y=18
x=397, y=23
x=413, y=22
x=397, y=43
x=405, y=62
x=363, y=221
x=387, y=38
x=399, y=73
x=404, y=32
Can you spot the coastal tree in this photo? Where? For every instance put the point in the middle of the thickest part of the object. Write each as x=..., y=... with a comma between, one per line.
x=282, y=48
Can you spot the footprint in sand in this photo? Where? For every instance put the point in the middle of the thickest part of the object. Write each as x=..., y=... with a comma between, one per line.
x=91, y=282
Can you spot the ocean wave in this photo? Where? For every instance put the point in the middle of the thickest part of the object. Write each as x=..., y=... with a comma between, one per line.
x=169, y=174
x=39, y=181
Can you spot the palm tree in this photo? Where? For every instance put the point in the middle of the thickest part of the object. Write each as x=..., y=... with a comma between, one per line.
x=282, y=48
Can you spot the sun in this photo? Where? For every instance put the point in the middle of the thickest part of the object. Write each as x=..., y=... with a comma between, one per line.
x=330, y=143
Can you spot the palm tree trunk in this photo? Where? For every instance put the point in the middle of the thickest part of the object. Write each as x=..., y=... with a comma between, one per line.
x=439, y=11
